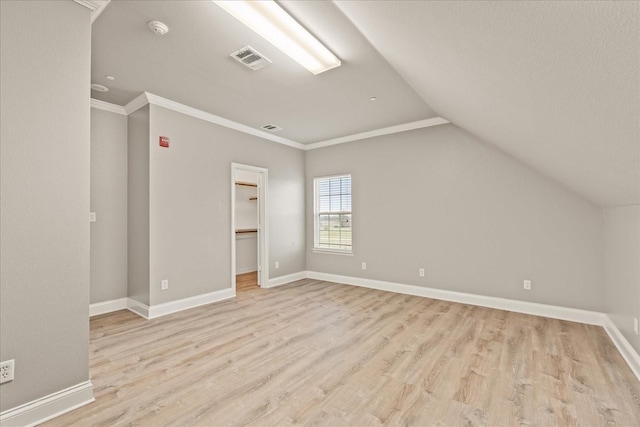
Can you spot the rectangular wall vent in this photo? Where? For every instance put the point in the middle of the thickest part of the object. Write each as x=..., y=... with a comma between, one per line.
x=271, y=128
x=251, y=58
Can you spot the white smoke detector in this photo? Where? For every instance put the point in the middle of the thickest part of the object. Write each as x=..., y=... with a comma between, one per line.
x=158, y=28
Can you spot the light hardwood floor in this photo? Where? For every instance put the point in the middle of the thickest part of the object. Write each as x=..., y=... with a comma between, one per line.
x=247, y=282
x=319, y=353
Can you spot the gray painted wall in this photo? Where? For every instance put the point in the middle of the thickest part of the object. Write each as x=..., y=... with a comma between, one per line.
x=44, y=209
x=138, y=205
x=475, y=219
x=622, y=269
x=246, y=253
x=109, y=202
x=190, y=203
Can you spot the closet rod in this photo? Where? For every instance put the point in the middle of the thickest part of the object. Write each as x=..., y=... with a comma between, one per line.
x=246, y=230
x=247, y=184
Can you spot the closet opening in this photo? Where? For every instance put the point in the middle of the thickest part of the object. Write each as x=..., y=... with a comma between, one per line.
x=249, y=234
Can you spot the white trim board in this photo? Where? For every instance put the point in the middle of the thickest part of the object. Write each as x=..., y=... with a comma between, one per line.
x=103, y=307
x=283, y=280
x=95, y=6
x=136, y=103
x=624, y=347
x=158, y=310
x=149, y=98
x=379, y=132
x=137, y=307
x=555, y=312
x=251, y=269
x=552, y=311
x=40, y=410
x=107, y=106
x=212, y=118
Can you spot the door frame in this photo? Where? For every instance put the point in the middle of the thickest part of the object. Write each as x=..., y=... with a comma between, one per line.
x=263, y=223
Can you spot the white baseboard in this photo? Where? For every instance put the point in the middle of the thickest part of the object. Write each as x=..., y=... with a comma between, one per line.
x=48, y=407
x=624, y=347
x=281, y=280
x=158, y=310
x=555, y=312
x=107, y=306
x=137, y=307
x=552, y=311
x=246, y=270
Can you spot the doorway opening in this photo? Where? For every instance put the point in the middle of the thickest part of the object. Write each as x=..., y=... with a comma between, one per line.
x=249, y=227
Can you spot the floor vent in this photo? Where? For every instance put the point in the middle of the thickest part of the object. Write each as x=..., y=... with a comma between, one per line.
x=251, y=58
x=271, y=128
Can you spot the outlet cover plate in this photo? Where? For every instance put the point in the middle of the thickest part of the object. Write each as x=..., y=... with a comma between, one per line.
x=527, y=285
x=6, y=371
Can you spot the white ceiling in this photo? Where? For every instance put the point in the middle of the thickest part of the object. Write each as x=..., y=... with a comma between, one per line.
x=554, y=84
x=191, y=65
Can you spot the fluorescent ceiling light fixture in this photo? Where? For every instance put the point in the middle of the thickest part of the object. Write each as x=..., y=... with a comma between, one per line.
x=270, y=21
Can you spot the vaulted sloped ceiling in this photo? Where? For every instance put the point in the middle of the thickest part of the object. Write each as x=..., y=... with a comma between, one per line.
x=554, y=84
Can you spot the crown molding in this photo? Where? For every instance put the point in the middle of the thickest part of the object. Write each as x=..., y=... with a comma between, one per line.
x=95, y=6
x=107, y=106
x=212, y=118
x=379, y=132
x=149, y=98
x=136, y=103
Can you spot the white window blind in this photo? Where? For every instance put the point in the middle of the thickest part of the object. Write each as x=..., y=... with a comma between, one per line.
x=332, y=212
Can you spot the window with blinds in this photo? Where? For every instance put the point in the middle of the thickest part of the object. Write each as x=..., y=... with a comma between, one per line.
x=332, y=213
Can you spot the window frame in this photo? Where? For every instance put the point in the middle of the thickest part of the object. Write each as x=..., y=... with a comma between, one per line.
x=316, y=217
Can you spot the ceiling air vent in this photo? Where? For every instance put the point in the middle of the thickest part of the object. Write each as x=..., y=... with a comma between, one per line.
x=271, y=128
x=251, y=58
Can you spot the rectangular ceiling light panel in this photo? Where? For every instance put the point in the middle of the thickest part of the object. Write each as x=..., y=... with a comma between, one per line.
x=276, y=26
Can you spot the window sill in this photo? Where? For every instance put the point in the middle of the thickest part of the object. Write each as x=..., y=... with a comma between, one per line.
x=331, y=252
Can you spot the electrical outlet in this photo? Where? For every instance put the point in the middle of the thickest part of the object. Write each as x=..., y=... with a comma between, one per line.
x=527, y=285
x=164, y=285
x=277, y=265
x=6, y=371
x=92, y=217
x=635, y=325
x=421, y=272
x=364, y=265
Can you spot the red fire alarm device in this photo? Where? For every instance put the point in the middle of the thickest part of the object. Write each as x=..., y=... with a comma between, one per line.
x=164, y=141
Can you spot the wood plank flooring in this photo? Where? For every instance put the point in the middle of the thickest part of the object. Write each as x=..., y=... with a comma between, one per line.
x=247, y=282
x=320, y=353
